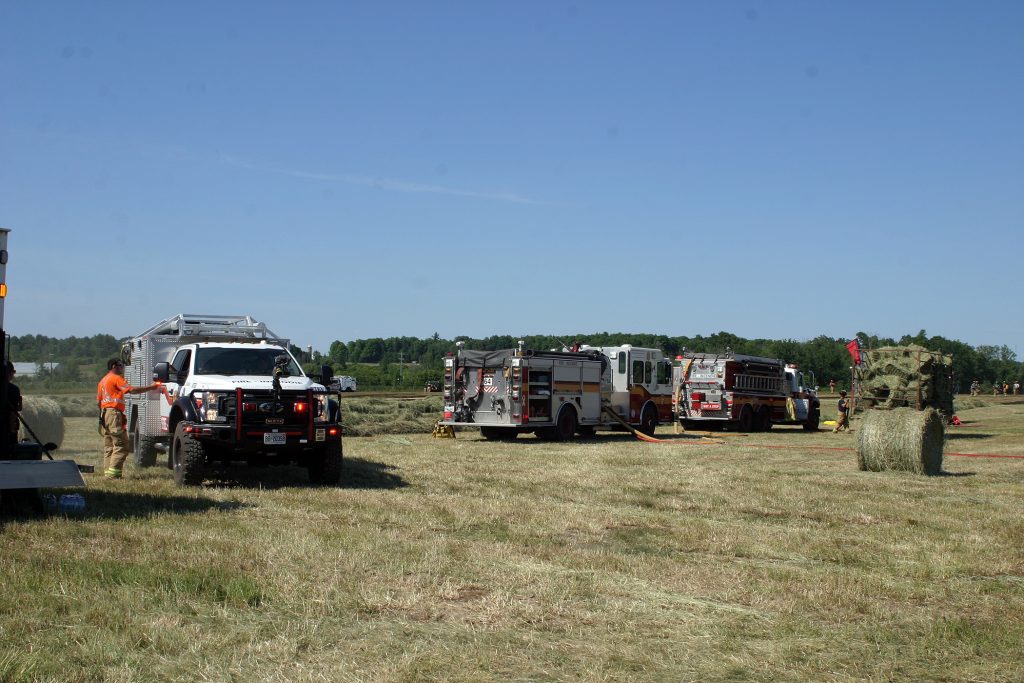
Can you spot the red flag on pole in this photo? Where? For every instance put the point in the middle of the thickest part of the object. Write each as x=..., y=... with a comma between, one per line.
x=854, y=348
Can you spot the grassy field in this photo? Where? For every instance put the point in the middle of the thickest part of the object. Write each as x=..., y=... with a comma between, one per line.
x=763, y=557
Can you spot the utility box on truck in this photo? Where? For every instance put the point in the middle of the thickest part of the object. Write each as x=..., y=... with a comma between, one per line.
x=751, y=393
x=556, y=394
x=231, y=391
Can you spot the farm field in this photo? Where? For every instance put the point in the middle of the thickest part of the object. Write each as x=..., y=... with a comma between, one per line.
x=712, y=557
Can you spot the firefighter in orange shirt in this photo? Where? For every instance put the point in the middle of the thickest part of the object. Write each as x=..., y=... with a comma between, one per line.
x=110, y=400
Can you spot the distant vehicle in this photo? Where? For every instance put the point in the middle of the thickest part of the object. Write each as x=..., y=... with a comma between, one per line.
x=750, y=393
x=557, y=394
x=343, y=383
x=433, y=386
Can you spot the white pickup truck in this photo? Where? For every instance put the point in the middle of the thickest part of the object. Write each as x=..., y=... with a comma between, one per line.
x=343, y=383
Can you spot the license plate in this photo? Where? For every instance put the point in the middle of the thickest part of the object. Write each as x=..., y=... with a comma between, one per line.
x=710, y=406
x=274, y=439
x=321, y=435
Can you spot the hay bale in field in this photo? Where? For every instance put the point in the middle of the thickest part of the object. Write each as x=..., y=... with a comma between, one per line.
x=907, y=376
x=45, y=418
x=901, y=439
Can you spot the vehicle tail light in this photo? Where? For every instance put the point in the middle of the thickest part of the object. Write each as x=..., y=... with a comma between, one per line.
x=697, y=396
x=249, y=406
x=447, y=414
x=301, y=407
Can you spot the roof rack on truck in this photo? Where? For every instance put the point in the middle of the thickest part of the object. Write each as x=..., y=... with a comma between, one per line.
x=205, y=327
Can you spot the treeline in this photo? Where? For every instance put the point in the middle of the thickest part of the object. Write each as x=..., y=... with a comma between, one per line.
x=409, y=362
x=68, y=363
x=827, y=357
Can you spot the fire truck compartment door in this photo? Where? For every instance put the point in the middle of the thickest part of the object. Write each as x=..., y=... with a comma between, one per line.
x=801, y=408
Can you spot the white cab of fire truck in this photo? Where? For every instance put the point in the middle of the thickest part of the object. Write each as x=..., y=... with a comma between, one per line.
x=797, y=381
x=638, y=378
x=207, y=369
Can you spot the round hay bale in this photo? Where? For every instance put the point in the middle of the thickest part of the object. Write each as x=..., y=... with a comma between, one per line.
x=45, y=418
x=901, y=439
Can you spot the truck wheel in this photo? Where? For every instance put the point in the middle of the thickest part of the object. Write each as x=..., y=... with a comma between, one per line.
x=325, y=466
x=565, y=428
x=811, y=425
x=746, y=423
x=144, y=450
x=648, y=421
x=188, y=457
x=763, y=423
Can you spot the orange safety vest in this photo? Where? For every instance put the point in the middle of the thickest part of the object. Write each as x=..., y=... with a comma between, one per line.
x=110, y=391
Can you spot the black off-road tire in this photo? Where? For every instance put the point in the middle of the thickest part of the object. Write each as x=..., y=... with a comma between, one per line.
x=648, y=421
x=565, y=428
x=813, y=418
x=746, y=422
x=144, y=451
x=188, y=458
x=325, y=466
x=763, y=421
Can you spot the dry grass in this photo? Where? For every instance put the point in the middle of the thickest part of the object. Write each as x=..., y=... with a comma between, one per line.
x=466, y=560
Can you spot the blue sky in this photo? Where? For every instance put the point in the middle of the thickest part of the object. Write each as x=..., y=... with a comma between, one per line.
x=350, y=170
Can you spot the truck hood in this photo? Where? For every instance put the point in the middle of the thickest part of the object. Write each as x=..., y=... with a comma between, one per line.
x=232, y=382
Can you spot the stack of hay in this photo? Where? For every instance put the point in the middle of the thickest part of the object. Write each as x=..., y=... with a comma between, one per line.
x=901, y=439
x=44, y=417
x=907, y=376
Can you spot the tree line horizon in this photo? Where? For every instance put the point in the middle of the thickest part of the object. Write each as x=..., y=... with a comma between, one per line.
x=409, y=362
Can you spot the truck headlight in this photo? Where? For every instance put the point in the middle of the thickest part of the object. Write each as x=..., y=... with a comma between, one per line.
x=212, y=406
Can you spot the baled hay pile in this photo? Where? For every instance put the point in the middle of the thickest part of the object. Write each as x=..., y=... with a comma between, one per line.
x=899, y=376
x=901, y=439
x=45, y=418
x=375, y=416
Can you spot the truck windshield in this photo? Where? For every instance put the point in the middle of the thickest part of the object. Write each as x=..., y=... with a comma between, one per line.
x=254, y=361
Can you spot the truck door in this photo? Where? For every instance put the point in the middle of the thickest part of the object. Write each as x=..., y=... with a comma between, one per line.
x=619, y=395
x=178, y=375
x=641, y=379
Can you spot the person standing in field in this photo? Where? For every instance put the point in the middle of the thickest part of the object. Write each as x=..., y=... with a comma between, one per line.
x=842, y=422
x=110, y=399
x=14, y=405
x=831, y=386
x=1016, y=388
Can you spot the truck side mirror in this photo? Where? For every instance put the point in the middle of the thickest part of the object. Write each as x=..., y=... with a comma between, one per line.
x=326, y=374
x=161, y=372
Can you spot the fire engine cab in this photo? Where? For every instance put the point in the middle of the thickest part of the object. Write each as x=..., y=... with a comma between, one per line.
x=750, y=393
x=556, y=394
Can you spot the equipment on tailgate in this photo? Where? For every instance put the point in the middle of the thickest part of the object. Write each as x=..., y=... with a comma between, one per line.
x=556, y=394
x=750, y=393
x=231, y=391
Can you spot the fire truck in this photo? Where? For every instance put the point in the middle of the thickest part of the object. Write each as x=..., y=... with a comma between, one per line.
x=749, y=393
x=230, y=391
x=556, y=394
